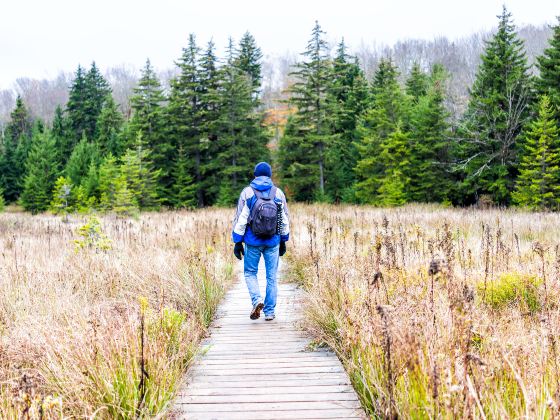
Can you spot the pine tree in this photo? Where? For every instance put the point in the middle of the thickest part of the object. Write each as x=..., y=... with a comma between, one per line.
x=76, y=108
x=184, y=189
x=148, y=118
x=248, y=60
x=548, y=81
x=347, y=98
x=241, y=139
x=387, y=115
x=538, y=184
x=141, y=179
x=17, y=142
x=78, y=165
x=109, y=126
x=429, y=134
x=42, y=172
x=311, y=123
x=497, y=111
x=183, y=117
x=125, y=203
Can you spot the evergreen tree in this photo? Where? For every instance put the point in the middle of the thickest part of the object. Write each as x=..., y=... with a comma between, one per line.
x=125, y=203
x=141, y=179
x=42, y=172
x=148, y=118
x=548, y=81
x=538, y=184
x=497, y=111
x=209, y=86
x=86, y=98
x=17, y=142
x=109, y=125
x=429, y=134
x=417, y=83
x=183, y=118
x=62, y=135
x=2, y=200
x=184, y=189
x=347, y=98
x=388, y=114
x=78, y=165
x=248, y=60
x=62, y=201
x=241, y=140
x=108, y=177
x=393, y=184
x=310, y=124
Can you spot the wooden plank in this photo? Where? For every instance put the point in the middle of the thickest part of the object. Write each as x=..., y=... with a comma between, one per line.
x=264, y=383
x=256, y=407
x=284, y=370
x=197, y=389
x=279, y=415
x=267, y=398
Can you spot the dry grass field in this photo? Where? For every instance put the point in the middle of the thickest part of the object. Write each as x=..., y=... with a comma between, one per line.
x=83, y=312
x=435, y=312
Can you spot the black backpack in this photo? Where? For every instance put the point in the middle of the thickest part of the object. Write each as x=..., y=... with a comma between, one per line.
x=263, y=218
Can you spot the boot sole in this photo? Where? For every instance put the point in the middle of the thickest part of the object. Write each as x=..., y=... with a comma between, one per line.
x=256, y=312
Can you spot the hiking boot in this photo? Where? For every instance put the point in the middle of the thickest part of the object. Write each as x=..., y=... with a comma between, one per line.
x=269, y=317
x=256, y=312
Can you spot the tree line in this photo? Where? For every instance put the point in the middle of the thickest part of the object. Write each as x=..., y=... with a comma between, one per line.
x=347, y=138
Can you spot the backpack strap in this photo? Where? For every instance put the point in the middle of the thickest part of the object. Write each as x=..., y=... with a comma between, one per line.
x=271, y=193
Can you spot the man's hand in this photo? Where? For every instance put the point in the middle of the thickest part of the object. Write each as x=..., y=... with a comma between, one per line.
x=238, y=250
x=282, y=248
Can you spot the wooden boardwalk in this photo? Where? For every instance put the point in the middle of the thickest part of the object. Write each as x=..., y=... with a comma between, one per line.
x=264, y=370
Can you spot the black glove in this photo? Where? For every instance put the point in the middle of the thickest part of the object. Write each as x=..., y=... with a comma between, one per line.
x=238, y=250
x=282, y=248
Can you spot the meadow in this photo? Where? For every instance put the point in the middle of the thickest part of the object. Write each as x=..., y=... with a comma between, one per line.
x=435, y=312
x=100, y=317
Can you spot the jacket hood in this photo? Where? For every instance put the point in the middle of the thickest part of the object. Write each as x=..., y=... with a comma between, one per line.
x=262, y=183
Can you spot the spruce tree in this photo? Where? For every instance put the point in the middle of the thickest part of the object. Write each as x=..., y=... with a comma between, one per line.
x=417, y=83
x=63, y=135
x=109, y=126
x=108, y=177
x=248, y=60
x=497, y=111
x=17, y=142
x=347, y=98
x=393, y=184
x=183, y=118
x=141, y=178
x=2, y=200
x=209, y=88
x=184, y=188
x=42, y=171
x=388, y=112
x=241, y=139
x=548, y=81
x=78, y=165
x=62, y=196
x=538, y=184
x=124, y=203
x=147, y=104
x=311, y=126
x=76, y=108
x=429, y=138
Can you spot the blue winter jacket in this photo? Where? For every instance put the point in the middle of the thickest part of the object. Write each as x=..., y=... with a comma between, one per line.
x=242, y=231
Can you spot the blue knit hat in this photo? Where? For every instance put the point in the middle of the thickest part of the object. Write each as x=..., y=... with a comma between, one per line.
x=263, y=169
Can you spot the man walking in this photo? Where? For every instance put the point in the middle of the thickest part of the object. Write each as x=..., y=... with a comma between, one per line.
x=261, y=221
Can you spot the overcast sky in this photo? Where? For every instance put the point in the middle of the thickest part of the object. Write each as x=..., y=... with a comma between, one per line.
x=38, y=38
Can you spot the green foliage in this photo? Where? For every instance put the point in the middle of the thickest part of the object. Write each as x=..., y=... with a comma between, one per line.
x=125, y=203
x=497, y=112
x=42, y=172
x=184, y=189
x=511, y=289
x=548, y=82
x=538, y=184
x=92, y=236
x=62, y=201
x=83, y=156
x=109, y=125
x=2, y=200
x=108, y=174
x=303, y=148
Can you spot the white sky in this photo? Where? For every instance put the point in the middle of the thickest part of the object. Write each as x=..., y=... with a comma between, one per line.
x=38, y=38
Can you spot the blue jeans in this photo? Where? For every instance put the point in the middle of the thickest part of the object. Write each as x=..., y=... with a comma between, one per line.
x=251, y=267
